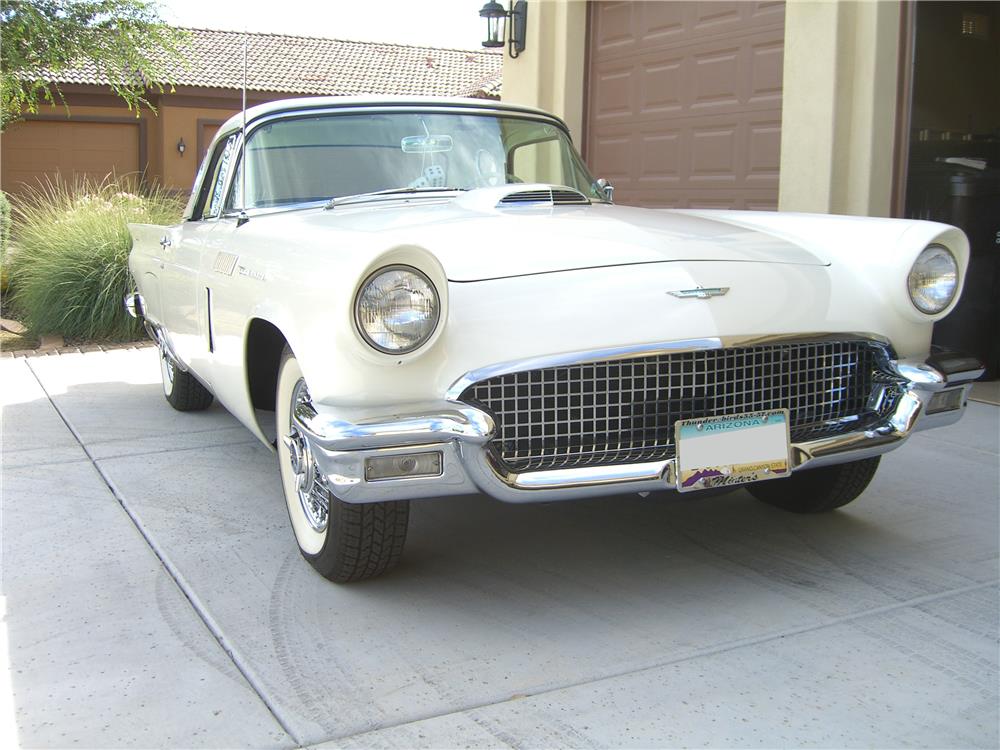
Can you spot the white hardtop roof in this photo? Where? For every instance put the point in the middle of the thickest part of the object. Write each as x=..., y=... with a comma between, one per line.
x=336, y=102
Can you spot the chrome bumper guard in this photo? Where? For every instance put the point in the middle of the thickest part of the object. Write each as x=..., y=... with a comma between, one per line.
x=343, y=442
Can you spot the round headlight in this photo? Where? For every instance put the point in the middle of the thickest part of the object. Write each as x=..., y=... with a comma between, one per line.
x=933, y=279
x=397, y=309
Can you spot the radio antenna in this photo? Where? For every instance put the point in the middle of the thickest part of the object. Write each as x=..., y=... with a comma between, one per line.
x=243, y=218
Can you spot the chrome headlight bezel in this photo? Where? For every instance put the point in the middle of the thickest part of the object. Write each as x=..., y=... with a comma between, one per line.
x=432, y=321
x=916, y=280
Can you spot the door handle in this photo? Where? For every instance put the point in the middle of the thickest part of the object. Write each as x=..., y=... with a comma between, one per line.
x=164, y=242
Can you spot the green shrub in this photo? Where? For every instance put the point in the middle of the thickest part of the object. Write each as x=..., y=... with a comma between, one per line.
x=4, y=238
x=70, y=271
x=4, y=225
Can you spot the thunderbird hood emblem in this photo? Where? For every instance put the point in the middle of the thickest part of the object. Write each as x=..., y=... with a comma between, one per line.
x=700, y=292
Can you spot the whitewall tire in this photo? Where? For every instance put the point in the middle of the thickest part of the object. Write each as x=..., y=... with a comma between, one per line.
x=342, y=541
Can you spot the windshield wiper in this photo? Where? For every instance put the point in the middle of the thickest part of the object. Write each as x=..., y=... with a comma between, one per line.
x=360, y=197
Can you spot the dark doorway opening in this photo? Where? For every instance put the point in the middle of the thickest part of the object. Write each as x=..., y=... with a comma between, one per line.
x=953, y=170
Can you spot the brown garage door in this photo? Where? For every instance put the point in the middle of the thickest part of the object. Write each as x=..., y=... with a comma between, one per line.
x=39, y=149
x=684, y=102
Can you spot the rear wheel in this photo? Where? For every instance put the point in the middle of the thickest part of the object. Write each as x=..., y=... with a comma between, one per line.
x=817, y=490
x=181, y=389
x=343, y=541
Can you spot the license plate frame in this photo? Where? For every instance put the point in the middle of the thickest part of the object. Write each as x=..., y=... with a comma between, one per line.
x=732, y=450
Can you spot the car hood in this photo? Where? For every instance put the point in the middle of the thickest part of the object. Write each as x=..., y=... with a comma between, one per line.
x=476, y=242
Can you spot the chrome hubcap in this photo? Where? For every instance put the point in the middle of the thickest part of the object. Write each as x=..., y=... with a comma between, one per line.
x=314, y=497
x=168, y=366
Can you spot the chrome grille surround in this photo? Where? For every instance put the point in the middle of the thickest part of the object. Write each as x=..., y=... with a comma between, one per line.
x=623, y=410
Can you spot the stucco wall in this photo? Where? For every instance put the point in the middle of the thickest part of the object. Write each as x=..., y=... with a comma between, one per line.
x=549, y=74
x=840, y=100
x=182, y=122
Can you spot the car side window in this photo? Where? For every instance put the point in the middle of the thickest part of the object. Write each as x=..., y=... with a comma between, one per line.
x=223, y=163
x=540, y=161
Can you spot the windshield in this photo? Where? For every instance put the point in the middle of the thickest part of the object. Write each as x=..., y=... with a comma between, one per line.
x=329, y=156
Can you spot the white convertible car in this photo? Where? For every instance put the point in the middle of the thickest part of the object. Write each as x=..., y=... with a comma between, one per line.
x=410, y=298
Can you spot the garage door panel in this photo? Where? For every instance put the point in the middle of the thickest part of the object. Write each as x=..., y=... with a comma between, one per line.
x=616, y=28
x=694, y=197
x=695, y=110
x=615, y=160
x=708, y=15
x=727, y=73
x=613, y=88
x=661, y=89
x=713, y=154
x=763, y=151
x=620, y=29
x=662, y=163
x=716, y=78
x=765, y=64
x=662, y=22
x=36, y=150
x=26, y=159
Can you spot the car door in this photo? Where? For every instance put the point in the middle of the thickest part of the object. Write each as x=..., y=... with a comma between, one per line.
x=231, y=281
x=184, y=298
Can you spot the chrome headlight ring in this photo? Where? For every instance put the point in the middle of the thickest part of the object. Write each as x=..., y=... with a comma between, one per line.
x=397, y=309
x=933, y=279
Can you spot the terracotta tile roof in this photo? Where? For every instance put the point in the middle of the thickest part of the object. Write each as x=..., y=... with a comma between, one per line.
x=310, y=65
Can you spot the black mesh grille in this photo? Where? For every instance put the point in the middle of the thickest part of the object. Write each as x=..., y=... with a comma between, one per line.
x=623, y=411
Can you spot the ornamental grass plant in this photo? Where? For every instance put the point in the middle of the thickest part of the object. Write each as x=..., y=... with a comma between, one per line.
x=69, y=271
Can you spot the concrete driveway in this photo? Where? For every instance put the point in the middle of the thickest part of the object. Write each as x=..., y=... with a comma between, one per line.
x=155, y=597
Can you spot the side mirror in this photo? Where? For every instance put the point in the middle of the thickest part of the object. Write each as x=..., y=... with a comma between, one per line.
x=607, y=188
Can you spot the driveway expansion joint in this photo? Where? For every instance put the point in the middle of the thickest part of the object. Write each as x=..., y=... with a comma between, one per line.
x=697, y=654
x=200, y=610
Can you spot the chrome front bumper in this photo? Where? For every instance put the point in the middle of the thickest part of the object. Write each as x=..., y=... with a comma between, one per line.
x=342, y=442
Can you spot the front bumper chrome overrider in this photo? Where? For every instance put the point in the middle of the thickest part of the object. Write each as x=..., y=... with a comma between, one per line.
x=344, y=441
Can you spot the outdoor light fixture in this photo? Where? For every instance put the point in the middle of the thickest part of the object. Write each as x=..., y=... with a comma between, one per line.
x=496, y=24
x=181, y=147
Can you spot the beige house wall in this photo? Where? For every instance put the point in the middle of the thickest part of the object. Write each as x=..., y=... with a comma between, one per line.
x=182, y=122
x=841, y=75
x=549, y=74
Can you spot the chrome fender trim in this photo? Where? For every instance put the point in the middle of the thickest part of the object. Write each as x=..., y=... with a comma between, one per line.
x=439, y=423
x=135, y=305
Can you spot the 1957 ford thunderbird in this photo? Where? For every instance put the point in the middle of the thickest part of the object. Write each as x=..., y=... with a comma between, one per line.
x=410, y=298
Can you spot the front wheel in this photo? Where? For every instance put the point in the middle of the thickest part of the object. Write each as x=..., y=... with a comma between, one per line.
x=342, y=541
x=817, y=490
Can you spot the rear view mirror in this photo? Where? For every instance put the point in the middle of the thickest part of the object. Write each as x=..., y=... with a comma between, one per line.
x=426, y=144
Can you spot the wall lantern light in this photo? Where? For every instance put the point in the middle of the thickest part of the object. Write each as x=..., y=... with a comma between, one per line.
x=499, y=20
x=181, y=147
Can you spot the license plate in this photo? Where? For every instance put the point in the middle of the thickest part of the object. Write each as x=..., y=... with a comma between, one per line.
x=723, y=451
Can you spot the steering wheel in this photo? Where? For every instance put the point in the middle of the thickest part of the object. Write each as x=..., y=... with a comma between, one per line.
x=487, y=170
